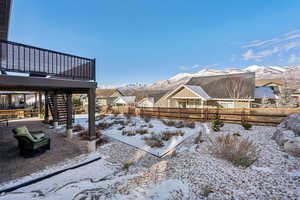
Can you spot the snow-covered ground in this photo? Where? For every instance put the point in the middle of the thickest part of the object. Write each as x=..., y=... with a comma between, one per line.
x=157, y=128
x=191, y=173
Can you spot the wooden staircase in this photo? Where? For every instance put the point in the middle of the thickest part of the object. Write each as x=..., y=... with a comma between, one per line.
x=60, y=110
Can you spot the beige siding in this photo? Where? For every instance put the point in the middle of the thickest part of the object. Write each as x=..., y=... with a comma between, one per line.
x=184, y=93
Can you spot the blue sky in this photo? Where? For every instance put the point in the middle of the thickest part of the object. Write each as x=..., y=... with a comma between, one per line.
x=146, y=41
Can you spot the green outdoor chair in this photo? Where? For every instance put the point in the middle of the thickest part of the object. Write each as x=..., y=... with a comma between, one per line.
x=31, y=143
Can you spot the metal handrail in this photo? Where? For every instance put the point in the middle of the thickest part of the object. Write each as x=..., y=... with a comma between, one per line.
x=17, y=57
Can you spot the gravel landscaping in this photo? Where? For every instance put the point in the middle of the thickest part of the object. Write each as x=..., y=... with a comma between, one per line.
x=190, y=172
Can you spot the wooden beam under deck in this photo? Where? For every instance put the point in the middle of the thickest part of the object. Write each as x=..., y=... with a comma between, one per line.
x=21, y=83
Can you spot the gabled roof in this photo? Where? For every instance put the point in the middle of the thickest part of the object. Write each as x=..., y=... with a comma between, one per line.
x=265, y=92
x=197, y=90
x=125, y=99
x=220, y=86
x=106, y=92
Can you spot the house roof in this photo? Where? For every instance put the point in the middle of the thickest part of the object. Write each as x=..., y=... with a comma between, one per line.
x=229, y=86
x=155, y=94
x=197, y=90
x=265, y=92
x=106, y=92
x=125, y=99
x=266, y=82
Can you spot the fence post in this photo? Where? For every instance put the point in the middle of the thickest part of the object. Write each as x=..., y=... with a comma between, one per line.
x=158, y=112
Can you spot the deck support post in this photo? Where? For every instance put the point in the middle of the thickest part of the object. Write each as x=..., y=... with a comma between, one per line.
x=40, y=105
x=69, y=115
x=46, y=115
x=55, y=114
x=91, y=112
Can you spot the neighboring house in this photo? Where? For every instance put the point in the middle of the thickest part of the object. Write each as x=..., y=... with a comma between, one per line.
x=106, y=97
x=222, y=91
x=124, y=101
x=149, y=98
x=296, y=95
x=276, y=84
x=18, y=99
x=265, y=96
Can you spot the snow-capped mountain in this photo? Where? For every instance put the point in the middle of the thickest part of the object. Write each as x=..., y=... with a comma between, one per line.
x=261, y=72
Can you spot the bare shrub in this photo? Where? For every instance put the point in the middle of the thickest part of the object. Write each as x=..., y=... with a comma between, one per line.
x=99, y=117
x=128, y=132
x=179, y=133
x=189, y=124
x=237, y=134
x=246, y=125
x=169, y=122
x=179, y=124
x=154, y=141
x=166, y=135
x=239, y=151
x=103, y=126
x=146, y=119
x=207, y=189
x=150, y=126
x=127, y=116
x=127, y=164
x=141, y=131
x=199, y=138
x=78, y=128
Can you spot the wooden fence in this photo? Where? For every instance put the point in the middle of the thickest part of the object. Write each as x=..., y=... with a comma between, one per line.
x=18, y=113
x=259, y=116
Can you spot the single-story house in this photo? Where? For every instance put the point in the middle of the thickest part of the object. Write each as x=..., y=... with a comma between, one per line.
x=124, y=101
x=265, y=96
x=296, y=95
x=106, y=97
x=149, y=98
x=221, y=91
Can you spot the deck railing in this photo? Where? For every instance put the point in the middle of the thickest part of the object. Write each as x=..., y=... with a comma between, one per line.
x=16, y=57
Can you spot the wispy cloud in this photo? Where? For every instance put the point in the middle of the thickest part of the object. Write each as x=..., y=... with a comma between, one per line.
x=258, y=50
x=294, y=59
x=187, y=68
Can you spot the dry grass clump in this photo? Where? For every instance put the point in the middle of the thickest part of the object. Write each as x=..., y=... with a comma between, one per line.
x=141, y=131
x=99, y=117
x=127, y=164
x=169, y=122
x=199, y=138
x=238, y=150
x=154, y=141
x=189, y=124
x=103, y=126
x=146, y=119
x=167, y=135
x=179, y=133
x=179, y=124
x=128, y=132
x=246, y=125
x=78, y=128
x=207, y=189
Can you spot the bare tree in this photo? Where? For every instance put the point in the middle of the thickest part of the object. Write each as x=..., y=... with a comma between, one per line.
x=237, y=88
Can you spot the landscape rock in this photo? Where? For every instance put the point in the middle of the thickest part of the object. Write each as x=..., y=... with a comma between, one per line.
x=281, y=136
x=292, y=146
x=287, y=130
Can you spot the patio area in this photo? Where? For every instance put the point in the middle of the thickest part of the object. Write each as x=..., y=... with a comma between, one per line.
x=13, y=166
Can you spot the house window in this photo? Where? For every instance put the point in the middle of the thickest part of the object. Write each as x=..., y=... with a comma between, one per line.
x=193, y=103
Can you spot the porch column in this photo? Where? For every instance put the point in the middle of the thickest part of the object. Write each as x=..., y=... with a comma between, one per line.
x=35, y=100
x=91, y=112
x=24, y=97
x=55, y=114
x=40, y=104
x=91, y=145
x=46, y=115
x=9, y=99
x=69, y=115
